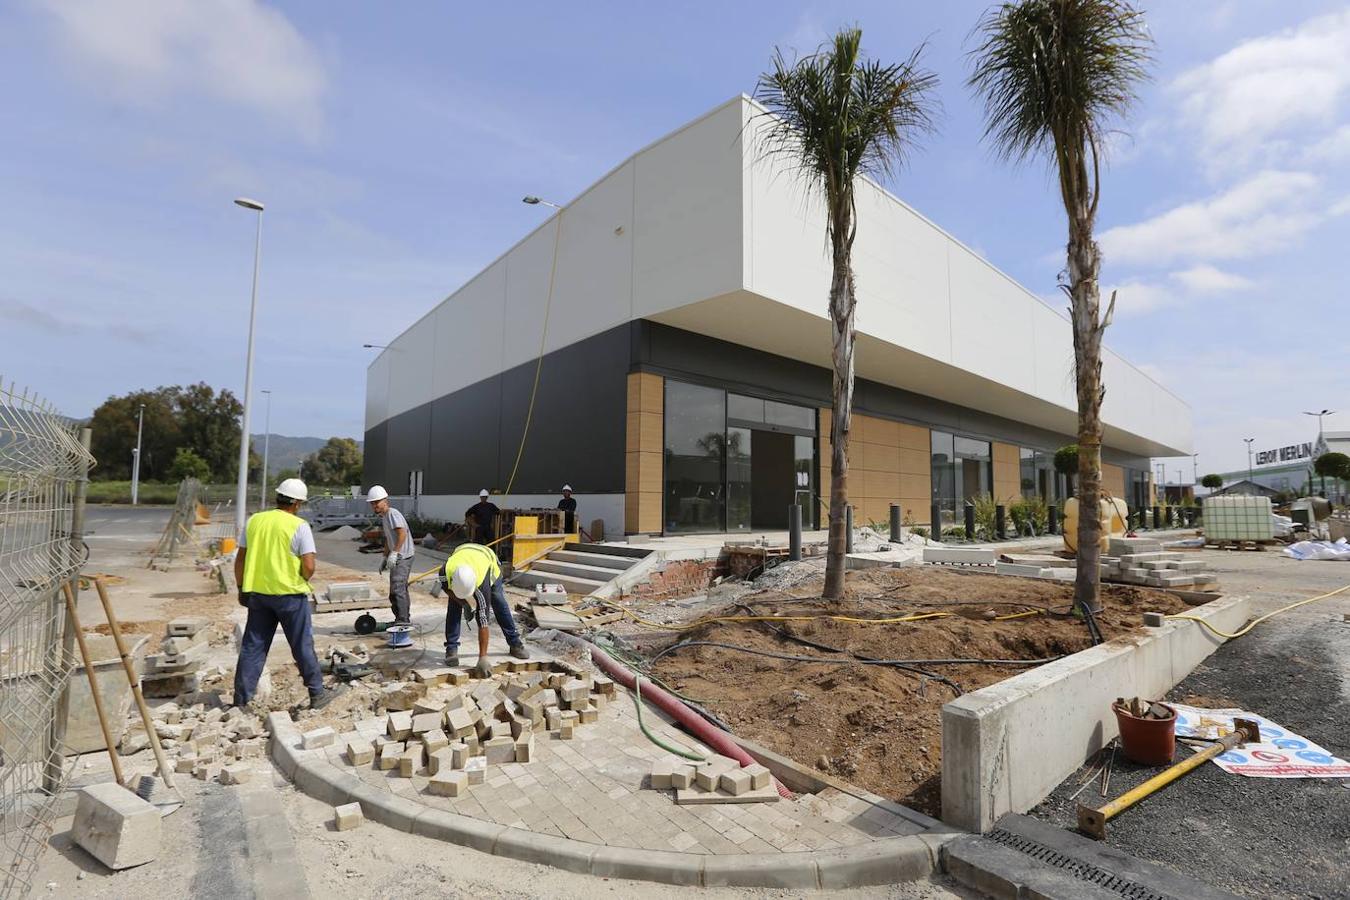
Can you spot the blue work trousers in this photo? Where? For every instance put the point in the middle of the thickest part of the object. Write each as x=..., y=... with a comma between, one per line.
x=265, y=613
x=454, y=618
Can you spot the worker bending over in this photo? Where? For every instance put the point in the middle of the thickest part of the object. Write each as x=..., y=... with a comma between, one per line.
x=473, y=578
x=272, y=568
x=398, y=553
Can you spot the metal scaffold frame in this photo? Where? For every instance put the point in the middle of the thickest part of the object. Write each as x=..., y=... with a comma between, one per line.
x=44, y=465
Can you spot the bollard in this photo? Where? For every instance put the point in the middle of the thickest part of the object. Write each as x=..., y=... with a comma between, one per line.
x=935, y=522
x=1000, y=522
x=1157, y=517
x=970, y=521
x=897, y=533
x=848, y=528
x=794, y=532
x=1052, y=520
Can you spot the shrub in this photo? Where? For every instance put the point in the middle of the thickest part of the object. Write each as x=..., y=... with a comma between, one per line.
x=1030, y=516
x=187, y=464
x=985, y=517
x=1212, y=481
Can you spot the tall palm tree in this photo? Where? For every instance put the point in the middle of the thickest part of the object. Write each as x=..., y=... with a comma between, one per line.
x=1054, y=75
x=839, y=116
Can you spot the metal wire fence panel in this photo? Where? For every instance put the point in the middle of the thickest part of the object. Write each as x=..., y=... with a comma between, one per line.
x=41, y=463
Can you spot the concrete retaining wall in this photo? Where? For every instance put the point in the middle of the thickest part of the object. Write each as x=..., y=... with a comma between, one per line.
x=1005, y=747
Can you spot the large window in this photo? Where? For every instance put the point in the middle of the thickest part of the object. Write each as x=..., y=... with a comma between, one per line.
x=1038, y=477
x=962, y=470
x=695, y=457
x=734, y=462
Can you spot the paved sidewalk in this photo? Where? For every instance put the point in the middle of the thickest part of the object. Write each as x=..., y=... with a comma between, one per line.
x=592, y=789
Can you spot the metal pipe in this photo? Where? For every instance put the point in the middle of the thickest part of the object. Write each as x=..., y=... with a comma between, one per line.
x=1093, y=821
x=241, y=489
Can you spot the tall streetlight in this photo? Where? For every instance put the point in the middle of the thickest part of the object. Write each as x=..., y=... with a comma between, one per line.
x=267, y=443
x=241, y=490
x=1320, y=442
x=136, y=458
x=1249, y=459
x=1195, y=468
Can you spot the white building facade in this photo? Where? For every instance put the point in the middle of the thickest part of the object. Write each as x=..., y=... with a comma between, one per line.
x=685, y=380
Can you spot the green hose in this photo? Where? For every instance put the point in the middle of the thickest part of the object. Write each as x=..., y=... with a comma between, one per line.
x=637, y=701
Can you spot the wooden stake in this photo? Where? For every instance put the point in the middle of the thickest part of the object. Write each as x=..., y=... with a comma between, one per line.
x=93, y=683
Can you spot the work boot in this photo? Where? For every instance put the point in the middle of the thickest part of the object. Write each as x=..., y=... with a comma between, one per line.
x=519, y=651
x=319, y=701
x=452, y=659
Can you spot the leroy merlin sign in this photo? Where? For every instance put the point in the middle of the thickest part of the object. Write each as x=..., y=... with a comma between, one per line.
x=1291, y=453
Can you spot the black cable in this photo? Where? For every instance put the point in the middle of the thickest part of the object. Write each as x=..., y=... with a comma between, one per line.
x=874, y=662
x=783, y=632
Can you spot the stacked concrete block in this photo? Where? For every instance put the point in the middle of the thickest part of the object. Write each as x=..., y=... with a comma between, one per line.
x=1143, y=562
x=719, y=779
x=176, y=669
x=956, y=556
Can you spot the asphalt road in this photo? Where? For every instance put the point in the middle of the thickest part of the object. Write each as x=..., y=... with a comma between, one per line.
x=1260, y=837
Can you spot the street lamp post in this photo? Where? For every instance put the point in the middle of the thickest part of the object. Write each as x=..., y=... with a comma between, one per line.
x=1249, y=458
x=1320, y=442
x=267, y=444
x=136, y=458
x=1195, y=468
x=241, y=490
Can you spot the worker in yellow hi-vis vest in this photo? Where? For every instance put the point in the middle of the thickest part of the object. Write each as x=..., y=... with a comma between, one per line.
x=272, y=568
x=472, y=577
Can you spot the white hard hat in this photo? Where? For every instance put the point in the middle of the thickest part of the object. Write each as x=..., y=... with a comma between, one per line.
x=567, y=487
x=293, y=488
x=483, y=492
x=462, y=582
x=377, y=493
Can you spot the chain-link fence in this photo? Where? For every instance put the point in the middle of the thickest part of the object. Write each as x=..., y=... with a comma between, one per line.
x=41, y=463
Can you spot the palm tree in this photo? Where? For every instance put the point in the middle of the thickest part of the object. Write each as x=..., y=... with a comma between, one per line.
x=1053, y=75
x=839, y=116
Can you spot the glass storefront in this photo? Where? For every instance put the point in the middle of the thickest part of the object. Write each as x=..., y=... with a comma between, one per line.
x=1038, y=477
x=962, y=469
x=734, y=462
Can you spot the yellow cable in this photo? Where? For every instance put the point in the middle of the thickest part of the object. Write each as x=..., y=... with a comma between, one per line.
x=429, y=572
x=1254, y=622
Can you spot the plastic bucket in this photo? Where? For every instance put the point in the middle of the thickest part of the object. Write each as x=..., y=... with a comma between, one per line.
x=1149, y=742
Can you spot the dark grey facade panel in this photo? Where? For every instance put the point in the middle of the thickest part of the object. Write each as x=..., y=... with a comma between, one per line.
x=468, y=439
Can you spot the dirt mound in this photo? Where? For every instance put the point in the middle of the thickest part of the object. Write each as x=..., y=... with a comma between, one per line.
x=879, y=726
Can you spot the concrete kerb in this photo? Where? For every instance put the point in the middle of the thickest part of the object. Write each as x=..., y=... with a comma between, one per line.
x=1006, y=746
x=873, y=863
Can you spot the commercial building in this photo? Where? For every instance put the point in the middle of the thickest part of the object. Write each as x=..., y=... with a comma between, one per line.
x=685, y=376
x=1287, y=467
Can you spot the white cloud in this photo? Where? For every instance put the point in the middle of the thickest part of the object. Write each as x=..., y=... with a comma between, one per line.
x=1205, y=279
x=1265, y=88
x=1335, y=147
x=1135, y=298
x=1266, y=212
x=238, y=51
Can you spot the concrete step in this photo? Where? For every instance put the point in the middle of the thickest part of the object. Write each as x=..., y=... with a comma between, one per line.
x=610, y=550
x=575, y=570
x=602, y=560
x=572, y=584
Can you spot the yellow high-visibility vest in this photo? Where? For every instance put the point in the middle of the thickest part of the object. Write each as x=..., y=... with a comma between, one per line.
x=270, y=567
x=483, y=561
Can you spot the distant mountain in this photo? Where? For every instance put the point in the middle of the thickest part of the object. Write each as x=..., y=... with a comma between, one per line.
x=286, y=452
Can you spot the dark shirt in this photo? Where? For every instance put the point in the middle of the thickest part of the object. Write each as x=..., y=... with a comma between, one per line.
x=568, y=504
x=484, y=514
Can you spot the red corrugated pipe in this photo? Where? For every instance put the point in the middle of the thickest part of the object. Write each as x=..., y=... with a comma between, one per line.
x=695, y=724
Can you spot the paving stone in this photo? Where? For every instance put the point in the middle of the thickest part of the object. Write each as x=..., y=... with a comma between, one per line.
x=115, y=826
x=410, y=761
x=424, y=722
x=400, y=725
x=500, y=750
x=662, y=772
x=347, y=816
x=360, y=752
x=432, y=676
x=186, y=625
x=236, y=774
x=682, y=776
x=524, y=748
x=448, y=783
x=707, y=775
x=459, y=722
x=440, y=759
x=736, y=782
x=565, y=730
x=587, y=714
x=434, y=740
x=760, y=777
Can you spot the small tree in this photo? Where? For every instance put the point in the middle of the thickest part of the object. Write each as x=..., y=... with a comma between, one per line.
x=1066, y=463
x=337, y=462
x=187, y=464
x=1212, y=481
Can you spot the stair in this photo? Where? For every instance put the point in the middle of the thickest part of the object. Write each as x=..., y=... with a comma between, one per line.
x=581, y=568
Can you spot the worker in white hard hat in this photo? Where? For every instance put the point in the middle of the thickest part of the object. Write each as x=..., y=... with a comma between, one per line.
x=472, y=577
x=272, y=568
x=568, y=504
x=480, y=520
x=398, y=561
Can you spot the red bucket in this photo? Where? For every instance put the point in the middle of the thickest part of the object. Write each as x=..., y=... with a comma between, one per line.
x=1149, y=742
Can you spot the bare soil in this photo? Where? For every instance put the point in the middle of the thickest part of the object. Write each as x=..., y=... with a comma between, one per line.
x=879, y=726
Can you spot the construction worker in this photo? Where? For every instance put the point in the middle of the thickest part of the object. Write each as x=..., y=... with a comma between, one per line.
x=568, y=505
x=272, y=568
x=398, y=560
x=483, y=515
x=472, y=577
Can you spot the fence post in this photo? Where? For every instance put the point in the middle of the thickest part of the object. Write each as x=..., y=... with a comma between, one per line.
x=897, y=533
x=51, y=777
x=1000, y=521
x=970, y=521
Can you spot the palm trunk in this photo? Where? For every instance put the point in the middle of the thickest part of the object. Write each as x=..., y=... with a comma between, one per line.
x=842, y=304
x=1084, y=262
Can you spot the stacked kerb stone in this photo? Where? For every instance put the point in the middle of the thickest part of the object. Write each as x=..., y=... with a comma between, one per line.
x=1143, y=561
x=176, y=668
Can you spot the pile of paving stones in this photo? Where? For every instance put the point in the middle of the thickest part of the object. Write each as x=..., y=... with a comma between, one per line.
x=1143, y=561
x=176, y=668
x=717, y=779
x=203, y=739
x=451, y=727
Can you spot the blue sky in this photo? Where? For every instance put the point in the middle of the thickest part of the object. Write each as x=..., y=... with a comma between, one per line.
x=392, y=144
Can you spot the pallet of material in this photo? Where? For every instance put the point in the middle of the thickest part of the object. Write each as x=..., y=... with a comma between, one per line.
x=1143, y=562
x=565, y=618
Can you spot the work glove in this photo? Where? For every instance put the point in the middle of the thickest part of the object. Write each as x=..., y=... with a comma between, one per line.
x=483, y=669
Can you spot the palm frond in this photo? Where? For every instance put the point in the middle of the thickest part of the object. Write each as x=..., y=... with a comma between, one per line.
x=1054, y=73
x=837, y=115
